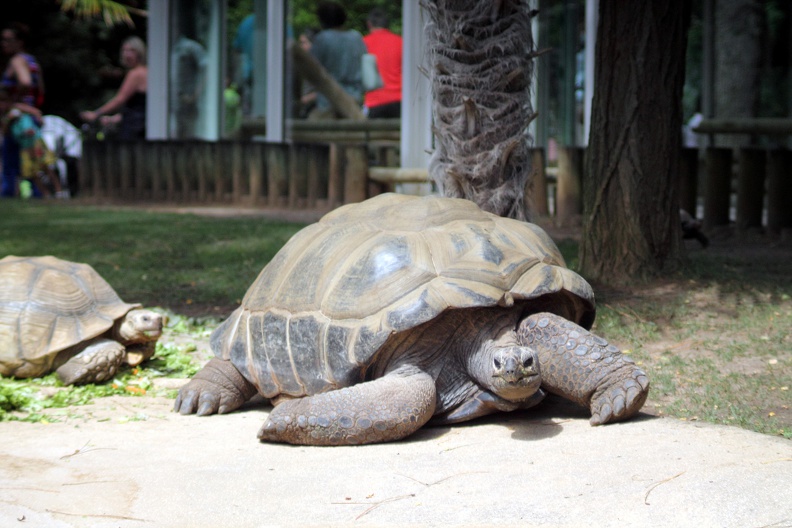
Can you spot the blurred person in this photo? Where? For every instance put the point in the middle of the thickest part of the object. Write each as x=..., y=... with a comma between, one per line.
x=188, y=76
x=24, y=83
x=130, y=99
x=307, y=92
x=339, y=51
x=243, y=47
x=384, y=102
x=36, y=159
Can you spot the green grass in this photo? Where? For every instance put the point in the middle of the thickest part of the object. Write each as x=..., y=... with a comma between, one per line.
x=169, y=260
x=715, y=338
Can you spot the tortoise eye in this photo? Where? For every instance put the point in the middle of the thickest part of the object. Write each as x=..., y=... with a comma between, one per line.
x=497, y=363
x=528, y=362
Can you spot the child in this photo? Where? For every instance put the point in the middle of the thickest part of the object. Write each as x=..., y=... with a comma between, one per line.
x=35, y=158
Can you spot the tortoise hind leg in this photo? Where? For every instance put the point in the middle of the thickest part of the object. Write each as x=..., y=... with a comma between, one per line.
x=584, y=368
x=97, y=362
x=388, y=408
x=217, y=388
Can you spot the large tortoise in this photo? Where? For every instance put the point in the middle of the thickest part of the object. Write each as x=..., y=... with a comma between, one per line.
x=63, y=316
x=399, y=309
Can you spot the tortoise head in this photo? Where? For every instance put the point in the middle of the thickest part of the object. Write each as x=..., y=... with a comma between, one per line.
x=139, y=326
x=508, y=369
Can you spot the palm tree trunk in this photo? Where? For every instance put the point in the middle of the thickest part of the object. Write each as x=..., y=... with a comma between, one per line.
x=482, y=65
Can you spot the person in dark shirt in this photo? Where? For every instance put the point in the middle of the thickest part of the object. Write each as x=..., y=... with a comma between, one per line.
x=130, y=99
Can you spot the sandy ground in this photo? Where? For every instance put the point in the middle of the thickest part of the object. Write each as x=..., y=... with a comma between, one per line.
x=130, y=462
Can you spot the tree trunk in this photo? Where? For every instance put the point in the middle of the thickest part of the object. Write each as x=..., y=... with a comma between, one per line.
x=482, y=64
x=631, y=210
x=738, y=62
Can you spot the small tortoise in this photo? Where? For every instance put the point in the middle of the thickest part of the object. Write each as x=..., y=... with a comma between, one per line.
x=399, y=309
x=63, y=316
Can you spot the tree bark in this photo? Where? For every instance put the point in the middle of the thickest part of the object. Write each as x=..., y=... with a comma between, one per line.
x=482, y=64
x=631, y=209
x=738, y=62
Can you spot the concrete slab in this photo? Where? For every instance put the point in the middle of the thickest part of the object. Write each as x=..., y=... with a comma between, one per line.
x=126, y=462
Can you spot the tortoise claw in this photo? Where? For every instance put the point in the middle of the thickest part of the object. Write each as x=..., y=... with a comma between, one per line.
x=217, y=389
x=621, y=399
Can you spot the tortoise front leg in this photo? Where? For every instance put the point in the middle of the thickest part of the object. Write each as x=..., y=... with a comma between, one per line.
x=388, y=408
x=584, y=368
x=97, y=362
x=217, y=388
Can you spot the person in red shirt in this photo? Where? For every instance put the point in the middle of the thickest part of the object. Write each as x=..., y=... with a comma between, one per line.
x=384, y=102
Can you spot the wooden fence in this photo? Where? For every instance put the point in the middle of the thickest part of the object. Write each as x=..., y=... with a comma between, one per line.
x=298, y=175
x=748, y=187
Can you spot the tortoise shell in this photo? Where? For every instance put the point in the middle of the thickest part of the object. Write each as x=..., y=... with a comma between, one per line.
x=48, y=305
x=319, y=311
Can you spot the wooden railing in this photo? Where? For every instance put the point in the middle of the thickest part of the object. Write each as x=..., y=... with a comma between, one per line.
x=329, y=166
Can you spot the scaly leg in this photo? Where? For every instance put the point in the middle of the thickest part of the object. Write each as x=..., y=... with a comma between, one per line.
x=387, y=408
x=584, y=368
x=98, y=362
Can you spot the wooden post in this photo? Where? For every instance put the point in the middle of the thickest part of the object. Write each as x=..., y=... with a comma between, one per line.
x=312, y=167
x=110, y=168
x=538, y=176
x=355, y=174
x=277, y=175
x=334, y=176
x=750, y=188
x=156, y=169
x=688, y=180
x=237, y=155
x=570, y=176
x=717, y=193
x=299, y=160
x=168, y=171
x=85, y=166
x=220, y=169
x=256, y=171
x=779, y=189
x=202, y=154
x=142, y=166
x=126, y=168
x=184, y=169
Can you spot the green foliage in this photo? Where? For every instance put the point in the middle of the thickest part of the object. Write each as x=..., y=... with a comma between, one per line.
x=302, y=14
x=25, y=400
x=111, y=12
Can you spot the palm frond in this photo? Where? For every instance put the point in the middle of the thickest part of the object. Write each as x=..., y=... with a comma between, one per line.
x=113, y=13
